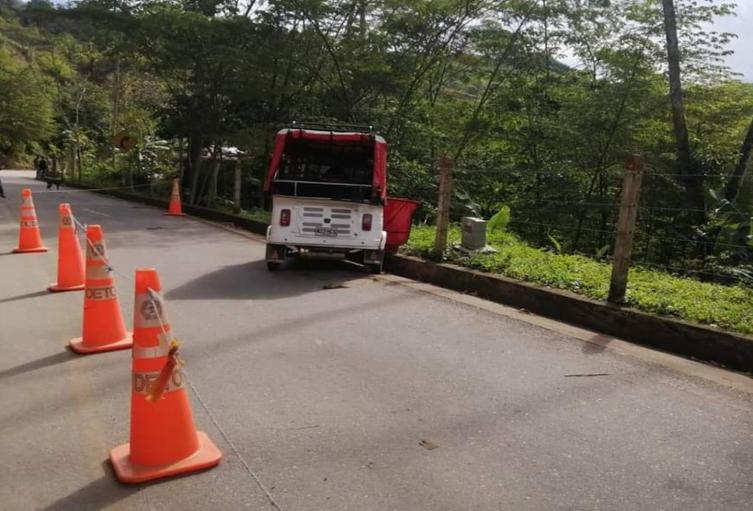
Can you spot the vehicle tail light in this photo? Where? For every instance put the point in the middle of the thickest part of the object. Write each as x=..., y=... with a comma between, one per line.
x=366, y=222
x=285, y=217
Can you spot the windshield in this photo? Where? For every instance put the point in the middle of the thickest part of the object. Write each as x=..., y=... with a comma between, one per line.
x=328, y=162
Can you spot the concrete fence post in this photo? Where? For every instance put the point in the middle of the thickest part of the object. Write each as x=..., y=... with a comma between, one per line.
x=623, y=243
x=237, y=186
x=443, y=204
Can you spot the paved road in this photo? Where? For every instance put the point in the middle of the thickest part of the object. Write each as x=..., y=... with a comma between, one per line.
x=322, y=396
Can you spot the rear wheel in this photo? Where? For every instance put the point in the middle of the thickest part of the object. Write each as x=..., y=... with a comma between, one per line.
x=275, y=256
x=374, y=261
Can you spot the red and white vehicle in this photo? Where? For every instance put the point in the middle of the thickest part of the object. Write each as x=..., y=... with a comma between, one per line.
x=329, y=190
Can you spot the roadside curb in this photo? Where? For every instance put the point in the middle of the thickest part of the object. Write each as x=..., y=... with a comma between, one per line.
x=205, y=213
x=729, y=349
x=734, y=351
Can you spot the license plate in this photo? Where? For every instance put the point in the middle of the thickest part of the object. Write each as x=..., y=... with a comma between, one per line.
x=326, y=231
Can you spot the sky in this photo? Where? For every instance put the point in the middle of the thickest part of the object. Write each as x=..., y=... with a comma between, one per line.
x=742, y=25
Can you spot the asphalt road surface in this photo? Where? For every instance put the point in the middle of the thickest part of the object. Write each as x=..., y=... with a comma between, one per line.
x=329, y=389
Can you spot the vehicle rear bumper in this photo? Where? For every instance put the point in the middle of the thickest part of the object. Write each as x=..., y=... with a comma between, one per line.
x=326, y=244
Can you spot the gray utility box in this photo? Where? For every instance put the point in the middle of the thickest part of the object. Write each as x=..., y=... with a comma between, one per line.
x=473, y=233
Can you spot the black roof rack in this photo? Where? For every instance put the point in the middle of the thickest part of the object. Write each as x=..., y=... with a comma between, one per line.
x=333, y=126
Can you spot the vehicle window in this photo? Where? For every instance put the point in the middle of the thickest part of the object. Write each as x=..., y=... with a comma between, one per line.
x=327, y=162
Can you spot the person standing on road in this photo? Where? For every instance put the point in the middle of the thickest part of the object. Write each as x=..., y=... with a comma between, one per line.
x=38, y=167
x=45, y=171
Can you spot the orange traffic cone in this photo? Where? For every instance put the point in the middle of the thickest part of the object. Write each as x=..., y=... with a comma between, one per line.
x=163, y=440
x=175, y=208
x=29, y=237
x=70, y=259
x=104, y=329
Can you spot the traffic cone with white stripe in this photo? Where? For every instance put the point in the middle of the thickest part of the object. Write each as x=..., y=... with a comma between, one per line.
x=29, y=237
x=163, y=439
x=175, y=208
x=103, y=329
x=70, y=259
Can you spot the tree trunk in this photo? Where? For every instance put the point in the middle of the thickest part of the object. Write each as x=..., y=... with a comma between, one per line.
x=72, y=162
x=675, y=87
x=744, y=203
x=179, y=169
x=115, y=109
x=237, y=184
x=216, y=163
x=194, y=163
x=79, y=164
x=736, y=179
x=739, y=190
x=362, y=19
x=692, y=181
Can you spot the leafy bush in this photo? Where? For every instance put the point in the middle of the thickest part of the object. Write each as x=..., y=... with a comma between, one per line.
x=498, y=223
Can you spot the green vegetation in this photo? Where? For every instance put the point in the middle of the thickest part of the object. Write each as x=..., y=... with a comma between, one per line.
x=259, y=215
x=729, y=307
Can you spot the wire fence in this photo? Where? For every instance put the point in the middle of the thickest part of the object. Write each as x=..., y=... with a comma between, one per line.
x=572, y=214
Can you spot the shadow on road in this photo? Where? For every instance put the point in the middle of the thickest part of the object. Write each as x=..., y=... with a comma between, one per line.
x=47, y=407
x=98, y=494
x=251, y=280
x=57, y=358
x=104, y=492
x=26, y=296
x=290, y=326
x=596, y=344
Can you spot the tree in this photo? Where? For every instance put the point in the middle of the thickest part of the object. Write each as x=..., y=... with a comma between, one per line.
x=26, y=107
x=738, y=174
x=693, y=180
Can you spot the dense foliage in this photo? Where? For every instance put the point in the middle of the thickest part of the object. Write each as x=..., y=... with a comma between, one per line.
x=649, y=290
x=482, y=81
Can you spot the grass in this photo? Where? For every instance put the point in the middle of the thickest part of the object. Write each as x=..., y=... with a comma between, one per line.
x=728, y=307
x=259, y=215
